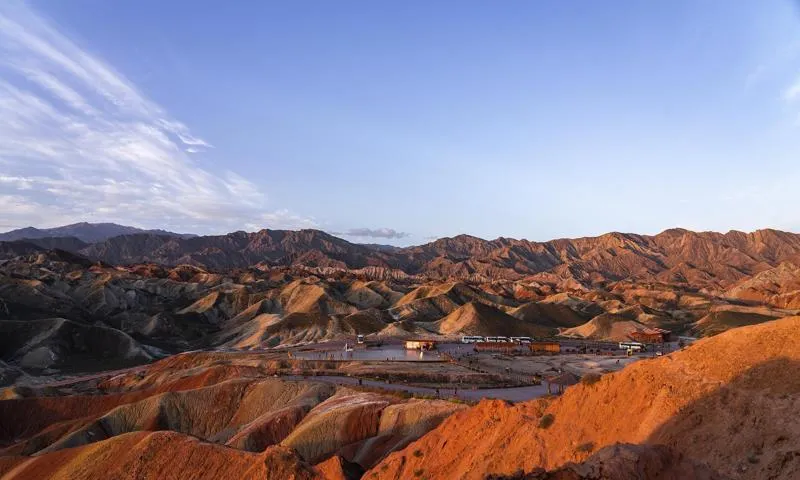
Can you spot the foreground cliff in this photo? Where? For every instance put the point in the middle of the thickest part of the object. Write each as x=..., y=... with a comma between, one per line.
x=204, y=415
x=729, y=403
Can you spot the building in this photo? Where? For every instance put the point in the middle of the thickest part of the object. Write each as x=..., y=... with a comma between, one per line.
x=561, y=381
x=420, y=344
x=545, y=347
x=651, y=335
x=499, y=347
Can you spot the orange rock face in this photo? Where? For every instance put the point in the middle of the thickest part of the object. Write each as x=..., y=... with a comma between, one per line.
x=624, y=462
x=185, y=418
x=160, y=455
x=742, y=381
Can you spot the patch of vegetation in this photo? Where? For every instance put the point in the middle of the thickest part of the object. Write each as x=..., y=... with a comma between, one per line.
x=591, y=378
x=423, y=396
x=585, y=447
x=546, y=420
x=753, y=456
x=418, y=453
x=418, y=472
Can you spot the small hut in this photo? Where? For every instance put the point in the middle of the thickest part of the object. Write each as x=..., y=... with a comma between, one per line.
x=545, y=347
x=651, y=335
x=562, y=381
x=420, y=344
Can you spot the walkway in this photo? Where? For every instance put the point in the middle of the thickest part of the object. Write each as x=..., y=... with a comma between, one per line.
x=513, y=394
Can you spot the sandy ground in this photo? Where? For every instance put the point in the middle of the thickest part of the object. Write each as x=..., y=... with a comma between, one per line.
x=472, y=377
x=471, y=370
x=513, y=394
x=545, y=365
x=521, y=365
x=579, y=364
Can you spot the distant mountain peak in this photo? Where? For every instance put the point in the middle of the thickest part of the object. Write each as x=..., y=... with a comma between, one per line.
x=83, y=231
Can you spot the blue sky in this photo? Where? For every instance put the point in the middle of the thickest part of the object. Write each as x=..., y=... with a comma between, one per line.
x=396, y=123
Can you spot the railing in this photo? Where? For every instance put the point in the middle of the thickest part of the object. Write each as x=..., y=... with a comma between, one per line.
x=508, y=376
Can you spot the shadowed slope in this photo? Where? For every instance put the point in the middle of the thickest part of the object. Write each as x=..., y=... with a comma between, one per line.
x=625, y=462
x=40, y=344
x=478, y=319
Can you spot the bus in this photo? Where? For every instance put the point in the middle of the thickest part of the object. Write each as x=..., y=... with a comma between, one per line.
x=497, y=339
x=360, y=339
x=634, y=346
x=521, y=340
x=472, y=339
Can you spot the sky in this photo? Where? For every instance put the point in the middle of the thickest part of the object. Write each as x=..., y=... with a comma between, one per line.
x=400, y=122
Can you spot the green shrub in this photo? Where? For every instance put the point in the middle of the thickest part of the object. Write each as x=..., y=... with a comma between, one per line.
x=591, y=378
x=585, y=447
x=418, y=453
x=419, y=472
x=546, y=420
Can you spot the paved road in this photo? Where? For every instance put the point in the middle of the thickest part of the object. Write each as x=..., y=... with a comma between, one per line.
x=70, y=380
x=514, y=394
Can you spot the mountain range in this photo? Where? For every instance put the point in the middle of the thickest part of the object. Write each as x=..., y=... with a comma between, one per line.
x=702, y=259
x=113, y=353
x=83, y=231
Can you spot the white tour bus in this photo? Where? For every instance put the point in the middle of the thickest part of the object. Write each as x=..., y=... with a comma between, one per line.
x=635, y=346
x=472, y=339
x=521, y=339
x=497, y=339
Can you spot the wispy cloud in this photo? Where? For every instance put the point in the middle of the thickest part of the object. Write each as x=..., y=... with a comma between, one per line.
x=792, y=93
x=79, y=141
x=389, y=233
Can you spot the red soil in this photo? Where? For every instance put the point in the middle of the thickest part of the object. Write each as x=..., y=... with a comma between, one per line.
x=729, y=401
x=162, y=456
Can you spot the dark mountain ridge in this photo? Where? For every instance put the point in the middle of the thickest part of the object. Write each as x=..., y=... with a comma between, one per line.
x=312, y=248
x=672, y=256
x=83, y=231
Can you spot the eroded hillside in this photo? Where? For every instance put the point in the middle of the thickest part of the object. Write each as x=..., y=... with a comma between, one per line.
x=728, y=402
x=61, y=311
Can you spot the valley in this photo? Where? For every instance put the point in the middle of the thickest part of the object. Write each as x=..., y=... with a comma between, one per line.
x=297, y=355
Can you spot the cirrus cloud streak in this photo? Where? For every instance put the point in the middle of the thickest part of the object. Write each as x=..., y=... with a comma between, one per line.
x=79, y=141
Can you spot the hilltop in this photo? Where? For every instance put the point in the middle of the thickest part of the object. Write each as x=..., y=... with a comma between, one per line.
x=700, y=259
x=152, y=308
x=85, y=232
